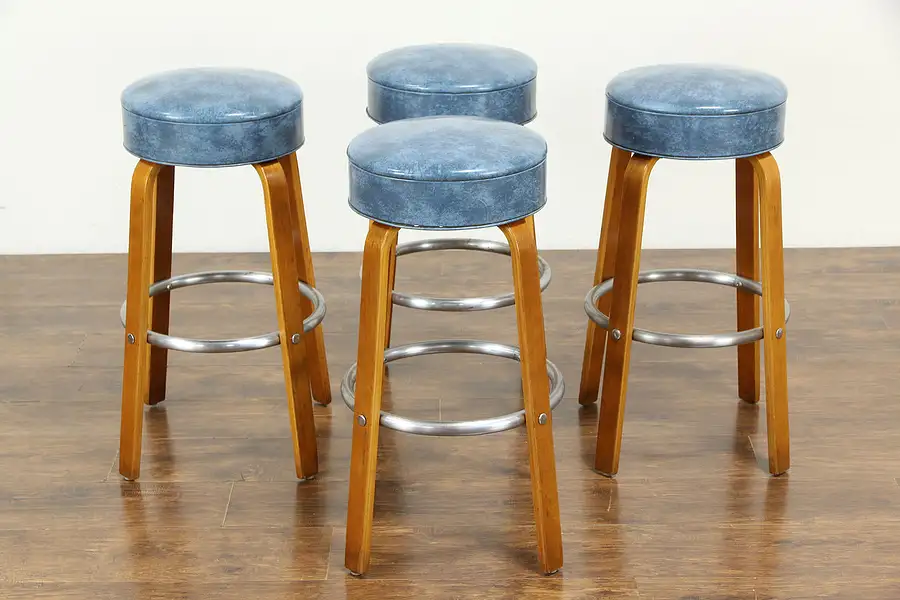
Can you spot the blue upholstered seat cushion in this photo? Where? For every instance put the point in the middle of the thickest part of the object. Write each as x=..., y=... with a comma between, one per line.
x=447, y=172
x=212, y=117
x=695, y=111
x=452, y=79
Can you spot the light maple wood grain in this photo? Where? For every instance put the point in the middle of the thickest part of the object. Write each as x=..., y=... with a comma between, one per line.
x=392, y=278
x=163, y=214
x=315, y=340
x=536, y=392
x=621, y=315
x=135, y=373
x=775, y=346
x=747, y=265
x=595, y=342
x=286, y=258
x=373, y=311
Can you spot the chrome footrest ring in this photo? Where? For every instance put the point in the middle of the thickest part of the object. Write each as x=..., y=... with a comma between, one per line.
x=684, y=340
x=222, y=346
x=462, y=304
x=454, y=428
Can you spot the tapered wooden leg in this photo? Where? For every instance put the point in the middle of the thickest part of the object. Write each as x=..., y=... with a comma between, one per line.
x=289, y=303
x=162, y=269
x=774, y=332
x=135, y=375
x=621, y=320
x=747, y=265
x=373, y=311
x=595, y=344
x=315, y=340
x=392, y=276
x=536, y=391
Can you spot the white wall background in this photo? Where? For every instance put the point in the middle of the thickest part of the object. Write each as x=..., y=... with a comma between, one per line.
x=64, y=177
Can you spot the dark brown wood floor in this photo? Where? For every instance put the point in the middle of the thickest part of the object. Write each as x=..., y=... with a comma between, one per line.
x=218, y=513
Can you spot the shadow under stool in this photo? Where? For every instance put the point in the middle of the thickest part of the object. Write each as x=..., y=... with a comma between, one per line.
x=448, y=173
x=211, y=117
x=690, y=112
x=452, y=79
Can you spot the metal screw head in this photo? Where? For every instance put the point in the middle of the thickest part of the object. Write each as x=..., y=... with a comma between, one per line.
x=616, y=334
x=361, y=420
x=295, y=339
x=542, y=418
x=130, y=338
x=779, y=332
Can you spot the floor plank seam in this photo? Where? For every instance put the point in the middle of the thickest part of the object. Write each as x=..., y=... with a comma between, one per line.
x=111, y=467
x=228, y=504
x=78, y=351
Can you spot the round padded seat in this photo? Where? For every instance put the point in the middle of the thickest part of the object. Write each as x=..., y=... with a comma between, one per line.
x=452, y=79
x=447, y=172
x=694, y=111
x=212, y=117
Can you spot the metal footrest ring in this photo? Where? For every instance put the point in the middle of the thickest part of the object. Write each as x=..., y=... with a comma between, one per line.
x=462, y=304
x=684, y=340
x=222, y=346
x=454, y=428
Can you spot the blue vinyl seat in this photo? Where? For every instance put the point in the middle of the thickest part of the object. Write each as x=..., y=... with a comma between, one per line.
x=212, y=117
x=447, y=172
x=452, y=79
x=695, y=111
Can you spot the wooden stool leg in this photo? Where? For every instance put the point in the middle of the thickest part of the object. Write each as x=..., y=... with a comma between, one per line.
x=162, y=269
x=747, y=265
x=373, y=310
x=774, y=332
x=536, y=390
x=315, y=341
x=595, y=344
x=621, y=320
x=289, y=303
x=392, y=276
x=135, y=374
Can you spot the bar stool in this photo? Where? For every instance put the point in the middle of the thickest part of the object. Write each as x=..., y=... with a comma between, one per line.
x=440, y=173
x=214, y=117
x=452, y=79
x=691, y=112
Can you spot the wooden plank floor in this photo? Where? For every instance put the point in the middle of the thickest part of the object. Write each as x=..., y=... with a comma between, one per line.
x=218, y=513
